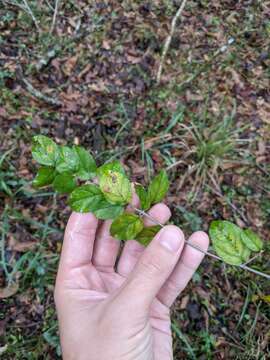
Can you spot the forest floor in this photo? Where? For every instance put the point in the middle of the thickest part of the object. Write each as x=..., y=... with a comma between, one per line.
x=88, y=76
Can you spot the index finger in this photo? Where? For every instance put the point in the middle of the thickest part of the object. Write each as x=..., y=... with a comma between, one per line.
x=78, y=241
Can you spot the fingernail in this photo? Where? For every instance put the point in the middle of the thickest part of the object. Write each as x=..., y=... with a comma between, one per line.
x=171, y=238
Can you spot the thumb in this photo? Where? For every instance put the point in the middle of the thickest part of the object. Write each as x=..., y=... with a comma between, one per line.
x=154, y=267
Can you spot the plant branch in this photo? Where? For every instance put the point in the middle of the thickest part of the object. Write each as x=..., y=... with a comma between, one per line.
x=242, y=266
x=169, y=39
x=36, y=93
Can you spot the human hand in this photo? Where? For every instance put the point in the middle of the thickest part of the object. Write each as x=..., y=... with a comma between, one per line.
x=109, y=312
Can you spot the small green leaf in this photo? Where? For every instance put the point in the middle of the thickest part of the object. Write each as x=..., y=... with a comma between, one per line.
x=68, y=160
x=85, y=198
x=107, y=210
x=246, y=254
x=64, y=183
x=227, y=242
x=252, y=240
x=143, y=196
x=111, y=166
x=44, y=177
x=126, y=226
x=116, y=187
x=158, y=187
x=147, y=234
x=229, y=259
x=89, y=198
x=87, y=166
x=44, y=150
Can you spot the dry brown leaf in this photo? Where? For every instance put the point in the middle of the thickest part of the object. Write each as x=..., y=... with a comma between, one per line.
x=184, y=302
x=24, y=246
x=99, y=86
x=106, y=45
x=133, y=59
x=193, y=97
x=84, y=71
x=9, y=291
x=3, y=112
x=70, y=64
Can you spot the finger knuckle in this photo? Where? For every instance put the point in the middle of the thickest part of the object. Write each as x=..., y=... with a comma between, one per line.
x=82, y=233
x=150, y=267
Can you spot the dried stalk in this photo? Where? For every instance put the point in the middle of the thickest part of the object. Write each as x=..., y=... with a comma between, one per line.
x=37, y=94
x=54, y=15
x=30, y=12
x=169, y=39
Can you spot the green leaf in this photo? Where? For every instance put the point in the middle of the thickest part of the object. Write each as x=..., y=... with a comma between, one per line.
x=158, y=187
x=68, y=160
x=64, y=183
x=229, y=259
x=107, y=210
x=87, y=166
x=85, y=198
x=116, y=187
x=44, y=150
x=113, y=166
x=143, y=196
x=147, y=234
x=89, y=198
x=126, y=226
x=246, y=254
x=227, y=242
x=44, y=177
x=252, y=240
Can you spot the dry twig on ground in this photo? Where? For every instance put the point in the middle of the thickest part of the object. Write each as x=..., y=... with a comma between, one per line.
x=169, y=39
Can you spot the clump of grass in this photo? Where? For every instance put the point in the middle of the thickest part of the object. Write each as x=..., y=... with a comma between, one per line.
x=206, y=144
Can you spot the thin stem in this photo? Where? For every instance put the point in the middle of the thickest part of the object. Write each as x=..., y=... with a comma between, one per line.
x=31, y=14
x=54, y=15
x=253, y=258
x=242, y=266
x=169, y=39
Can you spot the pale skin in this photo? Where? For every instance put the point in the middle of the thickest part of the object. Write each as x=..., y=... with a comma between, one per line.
x=120, y=310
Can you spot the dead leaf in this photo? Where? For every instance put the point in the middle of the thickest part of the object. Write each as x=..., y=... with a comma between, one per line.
x=133, y=59
x=193, y=97
x=56, y=64
x=184, y=302
x=137, y=169
x=106, y=45
x=3, y=112
x=3, y=326
x=24, y=246
x=99, y=86
x=84, y=71
x=9, y=291
x=70, y=64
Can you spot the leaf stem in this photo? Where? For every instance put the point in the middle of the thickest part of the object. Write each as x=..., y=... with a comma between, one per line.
x=242, y=266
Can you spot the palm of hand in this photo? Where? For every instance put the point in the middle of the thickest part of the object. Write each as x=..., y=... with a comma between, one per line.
x=93, y=289
x=99, y=288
